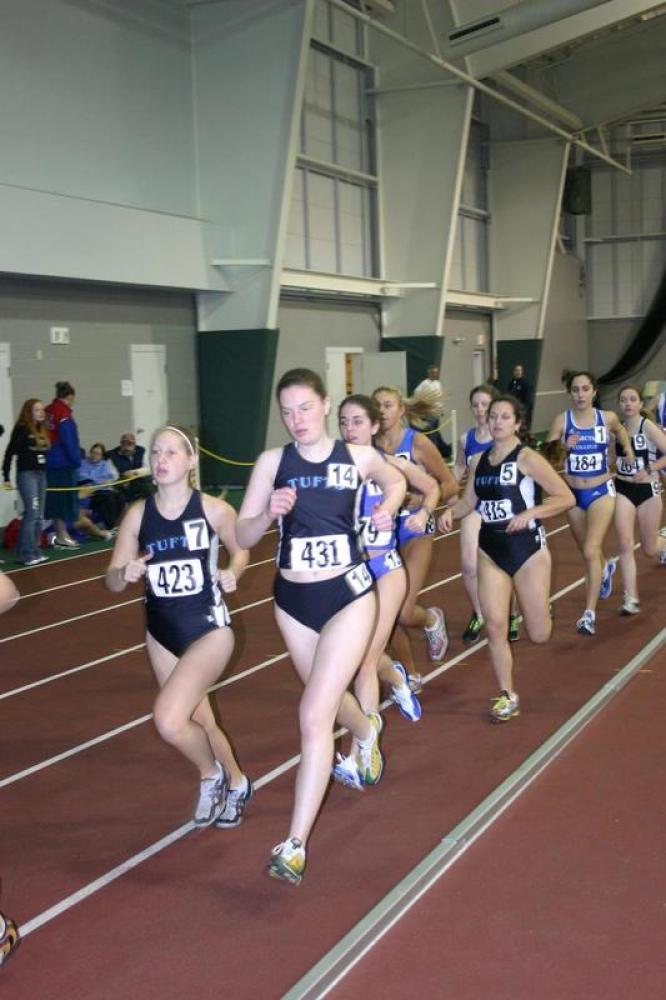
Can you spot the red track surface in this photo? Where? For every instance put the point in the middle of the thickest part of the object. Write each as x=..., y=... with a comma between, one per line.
x=200, y=917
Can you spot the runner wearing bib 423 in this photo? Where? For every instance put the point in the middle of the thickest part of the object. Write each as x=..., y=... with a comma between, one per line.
x=183, y=600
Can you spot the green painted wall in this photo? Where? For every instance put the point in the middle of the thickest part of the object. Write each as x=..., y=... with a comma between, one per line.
x=235, y=369
x=421, y=351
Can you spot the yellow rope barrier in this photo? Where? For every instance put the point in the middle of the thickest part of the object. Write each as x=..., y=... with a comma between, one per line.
x=221, y=458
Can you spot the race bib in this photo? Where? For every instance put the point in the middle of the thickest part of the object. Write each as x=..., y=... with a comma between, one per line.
x=179, y=578
x=341, y=477
x=196, y=534
x=495, y=510
x=371, y=537
x=359, y=579
x=392, y=559
x=320, y=552
x=639, y=442
x=508, y=475
x=627, y=468
x=656, y=488
x=585, y=463
x=601, y=434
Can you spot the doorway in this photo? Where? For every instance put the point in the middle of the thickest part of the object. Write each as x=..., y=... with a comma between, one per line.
x=149, y=389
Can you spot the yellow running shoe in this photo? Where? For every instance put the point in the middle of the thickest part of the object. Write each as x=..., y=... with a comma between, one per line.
x=369, y=759
x=506, y=706
x=287, y=861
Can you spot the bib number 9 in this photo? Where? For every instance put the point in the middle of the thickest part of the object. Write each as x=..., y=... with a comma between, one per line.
x=323, y=552
x=371, y=537
x=179, y=578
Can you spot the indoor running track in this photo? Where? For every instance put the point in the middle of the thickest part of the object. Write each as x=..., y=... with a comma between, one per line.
x=118, y=896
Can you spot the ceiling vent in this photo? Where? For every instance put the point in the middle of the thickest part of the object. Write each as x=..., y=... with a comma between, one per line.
x=468, y=32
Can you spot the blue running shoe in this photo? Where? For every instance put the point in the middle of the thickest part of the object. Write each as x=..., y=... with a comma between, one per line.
x=403, y=696
x=345, y=771
x=606, y=588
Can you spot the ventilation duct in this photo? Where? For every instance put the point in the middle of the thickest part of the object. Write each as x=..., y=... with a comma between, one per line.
x=511, y=22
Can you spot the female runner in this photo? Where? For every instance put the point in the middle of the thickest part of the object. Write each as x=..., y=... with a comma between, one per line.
x=398, y=439
x=324, y=594
x=172, y=539
x=359, y=422
x=475, y=440
x=638, y=493
x=584, y=430
x=502, y=486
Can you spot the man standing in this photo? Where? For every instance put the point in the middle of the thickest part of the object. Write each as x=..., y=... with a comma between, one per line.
x=128, y=459
x=522, y=390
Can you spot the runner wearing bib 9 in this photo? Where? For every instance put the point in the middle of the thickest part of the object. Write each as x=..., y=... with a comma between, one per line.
x=639, y=493
x=324, y=593
x=584, y=430
x=397, y=439
x=171, y=542
x=359, y=421
x=503, y=486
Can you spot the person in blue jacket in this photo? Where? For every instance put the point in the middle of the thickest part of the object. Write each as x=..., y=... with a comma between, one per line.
x=62, y=464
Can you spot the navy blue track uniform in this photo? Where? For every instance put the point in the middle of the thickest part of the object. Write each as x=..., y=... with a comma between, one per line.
x=504, y=491
x=183, y=599
x=645, y=453
x=320, y=533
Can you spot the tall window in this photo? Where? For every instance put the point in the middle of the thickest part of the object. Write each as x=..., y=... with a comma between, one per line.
x=625, y=241
x=469, y=268
x=332, y=221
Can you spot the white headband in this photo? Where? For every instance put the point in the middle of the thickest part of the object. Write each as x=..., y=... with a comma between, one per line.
x=177, y=430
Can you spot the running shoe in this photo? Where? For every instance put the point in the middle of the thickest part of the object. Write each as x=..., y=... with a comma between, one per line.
x=436, y=636
x=515, y=621
x=506, y=706
x=369, y=757
x=42, y=557
x=32, y=562
x=630, y=605
x=234, y=806
x=345, y=770
x=587, y=624
x=287, y=861
x=10, y=938
x=415, y=682
x=65, y=543
x=473, y=631
x=606, y=588
x=211, y=798
x=403, y=696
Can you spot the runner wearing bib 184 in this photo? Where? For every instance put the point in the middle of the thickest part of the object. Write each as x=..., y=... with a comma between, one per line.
x=584, y=431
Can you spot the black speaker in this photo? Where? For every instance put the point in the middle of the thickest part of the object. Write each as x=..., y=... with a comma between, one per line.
x=577, y=198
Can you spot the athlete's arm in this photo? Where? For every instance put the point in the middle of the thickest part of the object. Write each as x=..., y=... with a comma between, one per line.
x=9, y=595
x=620, y=432
x=466, y=504
x=262, y=503
x=419, y=480
x=126, y=565
x=559, y=496
x=393, y=485
x=222, y=518
x=460, y=464
x=426, y=453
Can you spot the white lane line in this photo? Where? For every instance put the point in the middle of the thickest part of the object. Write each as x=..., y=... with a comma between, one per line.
x=68, y=621
x=103, y=737
x=126, y=866
x=72, y=670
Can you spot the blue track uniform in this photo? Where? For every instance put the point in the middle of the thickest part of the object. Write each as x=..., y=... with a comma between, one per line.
x=474, y=447
x=406, y=450
x=588, y=458
x=380, y=546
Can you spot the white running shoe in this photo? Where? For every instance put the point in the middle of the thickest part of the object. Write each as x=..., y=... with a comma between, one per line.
x=211, y=797
x=234, y=806
x=630, y=605
x=606, y=588
x=436, y=636
x=586, y=625
x=403, y=696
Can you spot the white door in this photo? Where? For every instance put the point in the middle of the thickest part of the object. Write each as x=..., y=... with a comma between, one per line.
x=340, y=380
x=479, y=371
x=7, y=420
x=149, y=389
x=386, y=368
